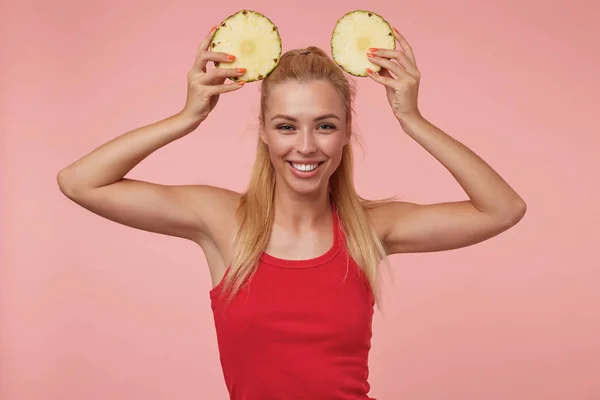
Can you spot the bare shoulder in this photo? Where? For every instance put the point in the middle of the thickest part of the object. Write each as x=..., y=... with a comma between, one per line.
x=217, y=207
x=386, y=214
x=405, y=227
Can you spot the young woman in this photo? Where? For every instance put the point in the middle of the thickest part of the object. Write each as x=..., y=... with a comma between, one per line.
x=294, y=260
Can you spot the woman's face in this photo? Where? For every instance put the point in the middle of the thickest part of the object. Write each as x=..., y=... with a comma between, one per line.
x=305, y=128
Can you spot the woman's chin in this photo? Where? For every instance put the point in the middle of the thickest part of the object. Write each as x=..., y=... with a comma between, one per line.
x=309, y=184
x=306, y=187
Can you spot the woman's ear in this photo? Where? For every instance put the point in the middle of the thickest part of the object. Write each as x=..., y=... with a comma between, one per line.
x=348, y=133
x=261, y=132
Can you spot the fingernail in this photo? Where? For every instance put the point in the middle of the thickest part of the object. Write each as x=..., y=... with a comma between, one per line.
x=241, y=83
x=370, y=55
x=241, y=70
x=369, y=71
x=373, y=50
x=396, y=30
x=214, y=28
x=230, y=57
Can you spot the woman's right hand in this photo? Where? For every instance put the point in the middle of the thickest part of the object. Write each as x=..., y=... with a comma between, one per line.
x=205, y=87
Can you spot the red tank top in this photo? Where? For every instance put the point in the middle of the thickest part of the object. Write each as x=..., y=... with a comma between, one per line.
x=299, y=329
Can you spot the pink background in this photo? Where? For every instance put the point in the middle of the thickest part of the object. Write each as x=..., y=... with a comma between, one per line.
x=92, y=310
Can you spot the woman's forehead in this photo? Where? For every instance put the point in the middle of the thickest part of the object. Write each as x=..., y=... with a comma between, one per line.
x=309, y=99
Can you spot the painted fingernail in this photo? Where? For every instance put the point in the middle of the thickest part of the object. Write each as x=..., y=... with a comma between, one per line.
x=241, y=70
x=230, y=57
x=241, y=83
x=369, y=71
x=373, y=50
x=370, y=55
x=214, y=28
x=396, y=30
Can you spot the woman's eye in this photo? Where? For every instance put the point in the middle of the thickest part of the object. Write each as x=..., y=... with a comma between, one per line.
x=290, y=127
x=326, y=126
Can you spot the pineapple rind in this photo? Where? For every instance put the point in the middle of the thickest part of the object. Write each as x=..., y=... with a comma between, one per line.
x=264, y=42
x=353, y=24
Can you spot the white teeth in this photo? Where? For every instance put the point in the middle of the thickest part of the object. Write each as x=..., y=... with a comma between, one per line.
x=305, y=167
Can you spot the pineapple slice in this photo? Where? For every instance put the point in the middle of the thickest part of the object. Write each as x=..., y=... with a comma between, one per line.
x=352, y=37
x=253, y=39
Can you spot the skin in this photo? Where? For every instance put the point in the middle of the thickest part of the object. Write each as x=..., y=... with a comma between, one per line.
x=293, y=130
x=493, y=206
x=304, y=123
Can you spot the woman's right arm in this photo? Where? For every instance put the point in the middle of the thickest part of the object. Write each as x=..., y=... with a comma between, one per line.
x=97, y=181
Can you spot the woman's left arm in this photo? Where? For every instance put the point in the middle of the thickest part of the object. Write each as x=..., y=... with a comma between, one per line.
x=493, y=206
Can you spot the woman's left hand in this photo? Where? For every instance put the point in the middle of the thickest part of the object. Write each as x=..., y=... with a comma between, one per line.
x=403, y=88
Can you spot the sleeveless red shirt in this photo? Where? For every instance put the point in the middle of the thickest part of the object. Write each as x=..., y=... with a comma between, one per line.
x=299, y=329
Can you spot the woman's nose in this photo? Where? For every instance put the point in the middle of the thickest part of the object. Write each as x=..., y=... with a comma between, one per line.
x=305, y=142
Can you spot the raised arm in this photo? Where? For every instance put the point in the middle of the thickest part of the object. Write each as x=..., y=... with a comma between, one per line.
x=493, y=206
x=97, y=181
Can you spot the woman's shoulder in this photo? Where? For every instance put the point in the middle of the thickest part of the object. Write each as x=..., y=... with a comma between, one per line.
x=215, y=201
x=214, y=208
x=210, y=192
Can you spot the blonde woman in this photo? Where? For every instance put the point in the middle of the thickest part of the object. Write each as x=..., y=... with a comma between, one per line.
x=294, y=260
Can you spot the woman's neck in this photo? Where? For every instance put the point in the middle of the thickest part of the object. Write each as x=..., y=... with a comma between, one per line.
x=297, y=211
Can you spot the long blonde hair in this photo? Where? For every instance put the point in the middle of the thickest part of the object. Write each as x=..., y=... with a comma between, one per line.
x=256, y=209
